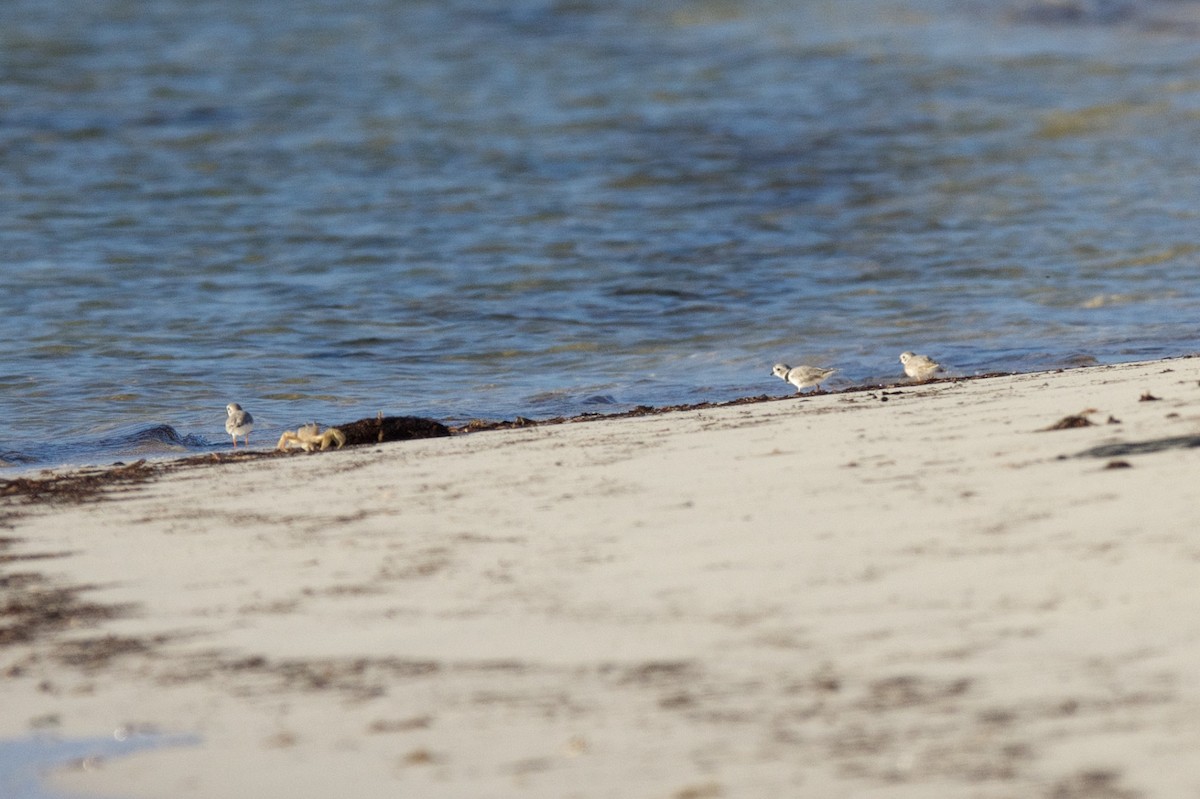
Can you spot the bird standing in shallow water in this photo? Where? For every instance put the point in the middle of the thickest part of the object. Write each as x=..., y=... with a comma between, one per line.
x=919, y=367
x=238, y=423
x=801, y=376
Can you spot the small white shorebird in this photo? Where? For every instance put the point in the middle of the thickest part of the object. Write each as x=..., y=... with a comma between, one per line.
x=801, y=376
x=238, y=423
x=919, y=367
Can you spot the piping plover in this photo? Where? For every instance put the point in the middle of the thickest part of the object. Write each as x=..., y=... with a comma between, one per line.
x=801, y=376
x=238, y=423
x=919, y=367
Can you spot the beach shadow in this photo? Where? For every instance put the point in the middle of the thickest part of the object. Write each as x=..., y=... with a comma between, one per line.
x=1140, y=447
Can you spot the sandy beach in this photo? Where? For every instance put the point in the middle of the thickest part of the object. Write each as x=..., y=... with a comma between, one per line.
x=906, y=592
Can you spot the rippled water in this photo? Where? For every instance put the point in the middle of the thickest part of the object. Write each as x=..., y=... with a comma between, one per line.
x=483, y=209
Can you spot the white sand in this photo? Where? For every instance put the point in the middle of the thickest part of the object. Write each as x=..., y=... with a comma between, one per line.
x=833, y=596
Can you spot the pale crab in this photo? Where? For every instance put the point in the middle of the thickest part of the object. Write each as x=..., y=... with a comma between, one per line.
x=308, y=437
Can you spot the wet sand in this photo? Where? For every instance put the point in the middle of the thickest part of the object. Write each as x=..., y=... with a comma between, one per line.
x=926, y=590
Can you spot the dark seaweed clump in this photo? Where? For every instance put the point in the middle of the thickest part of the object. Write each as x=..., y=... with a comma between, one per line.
x=391, y=428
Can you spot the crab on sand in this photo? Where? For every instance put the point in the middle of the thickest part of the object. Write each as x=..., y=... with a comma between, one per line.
x=308, y=437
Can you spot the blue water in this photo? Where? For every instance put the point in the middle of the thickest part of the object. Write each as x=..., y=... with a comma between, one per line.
x=455, y=209
x=25, y=762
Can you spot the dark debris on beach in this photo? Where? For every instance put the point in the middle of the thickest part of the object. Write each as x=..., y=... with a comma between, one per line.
x=78, y=486
x=31, y=605
x=391, y=428
x=1072, y=421
x=480, y=425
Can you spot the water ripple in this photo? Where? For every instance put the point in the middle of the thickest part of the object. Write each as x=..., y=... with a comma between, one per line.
x=466, y=211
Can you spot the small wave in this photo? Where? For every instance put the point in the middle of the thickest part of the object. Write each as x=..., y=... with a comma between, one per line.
x=150, y=438
x=600, y=399
x=142, y=441
x=1075, y=11
x=11, y=459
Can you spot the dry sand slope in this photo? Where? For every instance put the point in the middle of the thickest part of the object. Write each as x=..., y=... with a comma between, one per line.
x=906, y=594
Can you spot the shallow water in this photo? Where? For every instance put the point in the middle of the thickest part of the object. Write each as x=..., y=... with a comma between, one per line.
x=484, y=209
x=25, y=762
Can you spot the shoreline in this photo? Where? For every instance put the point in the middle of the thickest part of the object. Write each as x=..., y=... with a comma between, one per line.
x=973, y=586
x=89, y=478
